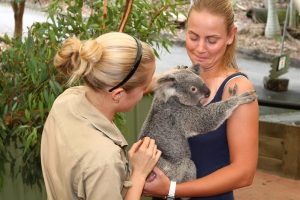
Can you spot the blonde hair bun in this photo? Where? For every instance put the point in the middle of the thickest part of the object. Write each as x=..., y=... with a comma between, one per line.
x=66, y=58
x=91, y=51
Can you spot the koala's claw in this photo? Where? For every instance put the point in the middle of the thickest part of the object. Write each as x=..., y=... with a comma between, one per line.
x=247, y=97
x=252, y=92
x=181, y=67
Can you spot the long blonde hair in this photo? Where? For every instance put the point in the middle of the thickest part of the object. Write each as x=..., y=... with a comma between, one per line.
x=105, y=61
x=224, y=9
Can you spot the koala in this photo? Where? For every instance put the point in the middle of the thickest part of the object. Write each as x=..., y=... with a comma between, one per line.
x=177, y=114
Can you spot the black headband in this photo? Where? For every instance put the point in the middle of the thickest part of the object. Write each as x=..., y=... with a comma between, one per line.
x=137, y=61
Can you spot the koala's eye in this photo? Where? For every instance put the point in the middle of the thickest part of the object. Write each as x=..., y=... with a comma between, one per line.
x=193, y=89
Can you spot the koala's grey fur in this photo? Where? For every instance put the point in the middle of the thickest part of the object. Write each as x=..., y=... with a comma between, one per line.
x=177, y=114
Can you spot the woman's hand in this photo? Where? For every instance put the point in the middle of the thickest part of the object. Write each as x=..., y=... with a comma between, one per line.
x=143, y=156
x=158, y=186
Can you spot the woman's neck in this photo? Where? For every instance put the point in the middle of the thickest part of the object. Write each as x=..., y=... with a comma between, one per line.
x=213, y=72
x=214, y=78
x=101, y=102
x=216, y=71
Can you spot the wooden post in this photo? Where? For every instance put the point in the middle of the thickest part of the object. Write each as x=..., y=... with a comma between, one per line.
x=279, y=148
x=18, y=8
x=291, y=162
x=270, y=147
x=279, y=67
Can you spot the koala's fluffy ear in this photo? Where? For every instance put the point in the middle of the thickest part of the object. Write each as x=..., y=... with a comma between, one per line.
x=196, y=69
x=166, y=80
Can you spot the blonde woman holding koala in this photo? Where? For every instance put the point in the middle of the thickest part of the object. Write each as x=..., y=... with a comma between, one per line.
x=226, y=158
x=83, y=153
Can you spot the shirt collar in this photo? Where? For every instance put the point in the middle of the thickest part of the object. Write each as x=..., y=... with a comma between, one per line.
x=99, y=121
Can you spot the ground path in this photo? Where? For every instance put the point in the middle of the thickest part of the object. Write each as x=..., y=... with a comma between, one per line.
x=270, y=187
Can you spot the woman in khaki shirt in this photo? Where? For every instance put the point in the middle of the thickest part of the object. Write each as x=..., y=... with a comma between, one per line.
x=82, y=151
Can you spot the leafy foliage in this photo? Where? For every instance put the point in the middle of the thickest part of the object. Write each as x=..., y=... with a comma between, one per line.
x=29, y=83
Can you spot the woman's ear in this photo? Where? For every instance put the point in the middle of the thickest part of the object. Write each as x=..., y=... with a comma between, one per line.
x=231, y=35
x=117, y=94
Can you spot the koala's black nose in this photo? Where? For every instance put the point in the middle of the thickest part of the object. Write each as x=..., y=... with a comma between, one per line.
x=206, y=91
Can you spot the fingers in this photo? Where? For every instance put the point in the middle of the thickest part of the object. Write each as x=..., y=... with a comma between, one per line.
x=149, y=147
x=135, y=146
x=151, y=177
x=145, y=151
x=152, y=144
x=154, y=152
x=157, y=156
x=147, y=143
x=157, y=184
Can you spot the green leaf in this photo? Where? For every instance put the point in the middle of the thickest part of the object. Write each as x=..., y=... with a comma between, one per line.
x=41, y=109
x=27, y=115
x=31, y=140
x=14, y=106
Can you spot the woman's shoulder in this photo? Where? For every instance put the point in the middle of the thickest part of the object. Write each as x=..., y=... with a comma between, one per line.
x=241, y=82
x=76, y=90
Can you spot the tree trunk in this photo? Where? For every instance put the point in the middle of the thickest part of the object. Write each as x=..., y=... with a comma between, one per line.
x=266, y=3
x=18, y=8
x=293, y=15
x=126, y=13
x=272, y=28
x=297, y=5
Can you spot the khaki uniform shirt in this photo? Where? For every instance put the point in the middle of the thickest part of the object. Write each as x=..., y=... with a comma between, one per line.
x=82, y=153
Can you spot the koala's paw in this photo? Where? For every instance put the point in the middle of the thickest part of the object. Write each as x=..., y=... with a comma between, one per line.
x=247, y=97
